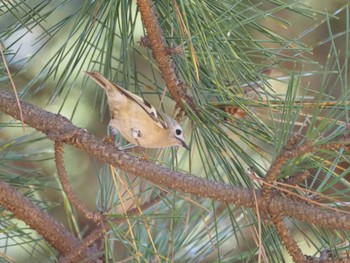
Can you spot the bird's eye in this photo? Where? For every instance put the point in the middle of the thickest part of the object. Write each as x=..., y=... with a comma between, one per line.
x=178, y=131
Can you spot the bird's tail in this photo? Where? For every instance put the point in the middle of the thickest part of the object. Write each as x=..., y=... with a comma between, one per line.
x=101, y=80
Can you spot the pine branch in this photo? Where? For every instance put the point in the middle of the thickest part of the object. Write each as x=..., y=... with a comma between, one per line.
x=57, y=127
x=76, y=202
x=287, y=239
x=162, y=56
x=23, y=209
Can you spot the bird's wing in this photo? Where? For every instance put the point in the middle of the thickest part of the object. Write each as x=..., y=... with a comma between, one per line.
x=145, y=105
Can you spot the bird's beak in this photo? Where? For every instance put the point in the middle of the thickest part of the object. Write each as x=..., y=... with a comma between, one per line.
x=183, y=144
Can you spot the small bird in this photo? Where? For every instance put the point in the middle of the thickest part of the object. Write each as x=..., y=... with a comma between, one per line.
x=137, y=120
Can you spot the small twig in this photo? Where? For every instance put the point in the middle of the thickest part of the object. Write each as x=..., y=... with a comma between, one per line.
x=297, y=178
x=287, y=239
x=13, y=86
x=290, y=151
x=186, y=32
x=292, y=182
x=257, y=211
x=62, y=174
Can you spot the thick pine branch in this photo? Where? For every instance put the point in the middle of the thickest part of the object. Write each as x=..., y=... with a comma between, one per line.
x=53, y=232
x=59, y=128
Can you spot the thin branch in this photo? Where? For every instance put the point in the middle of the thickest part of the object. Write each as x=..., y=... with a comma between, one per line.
x=12, y=84
x=289, y=151
x=257, y=212
x=287, y=239
x=76, y=202
x=161, y=55
x=297, y=178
